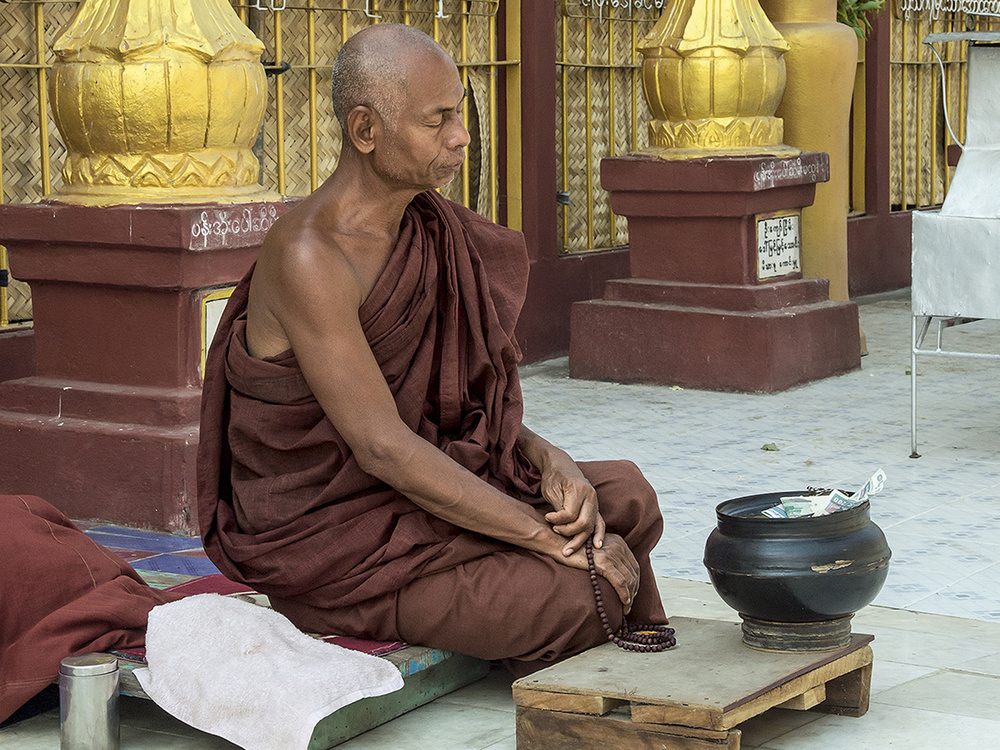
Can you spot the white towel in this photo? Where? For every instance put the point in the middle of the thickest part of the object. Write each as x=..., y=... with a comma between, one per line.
x=247, y=674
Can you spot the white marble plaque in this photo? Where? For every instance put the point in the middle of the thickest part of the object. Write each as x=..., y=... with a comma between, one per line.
x=779, y=246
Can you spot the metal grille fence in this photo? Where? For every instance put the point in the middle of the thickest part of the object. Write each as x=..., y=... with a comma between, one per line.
x=600, y=111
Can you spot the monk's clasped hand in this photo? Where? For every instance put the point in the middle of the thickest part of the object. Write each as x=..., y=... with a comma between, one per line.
x=575, y=511
x=616, y=563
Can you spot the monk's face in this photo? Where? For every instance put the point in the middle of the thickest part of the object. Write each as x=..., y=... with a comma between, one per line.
x=424, y=144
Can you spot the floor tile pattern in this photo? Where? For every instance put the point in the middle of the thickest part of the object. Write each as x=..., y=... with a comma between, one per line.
x=162, y=559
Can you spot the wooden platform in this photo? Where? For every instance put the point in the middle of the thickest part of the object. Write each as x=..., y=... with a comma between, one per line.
x=692, y=697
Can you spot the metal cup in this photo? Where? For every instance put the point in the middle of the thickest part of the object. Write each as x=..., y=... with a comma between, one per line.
x=88, y=702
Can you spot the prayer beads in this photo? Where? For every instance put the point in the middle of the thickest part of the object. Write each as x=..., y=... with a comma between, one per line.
x=645, y=638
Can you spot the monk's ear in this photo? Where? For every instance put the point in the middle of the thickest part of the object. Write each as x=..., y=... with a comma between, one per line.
x=362, y=124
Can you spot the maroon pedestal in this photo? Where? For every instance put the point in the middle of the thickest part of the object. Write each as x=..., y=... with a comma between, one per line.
x=696, y=311
x=107, y=428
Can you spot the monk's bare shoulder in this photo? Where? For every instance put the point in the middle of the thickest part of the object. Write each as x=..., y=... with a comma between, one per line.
x=302, y=277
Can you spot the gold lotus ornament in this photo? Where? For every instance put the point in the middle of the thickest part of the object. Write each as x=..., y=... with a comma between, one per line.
x=713, y=75
x=158, y=101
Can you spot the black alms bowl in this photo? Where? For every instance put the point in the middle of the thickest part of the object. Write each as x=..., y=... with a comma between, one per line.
x=795, y=570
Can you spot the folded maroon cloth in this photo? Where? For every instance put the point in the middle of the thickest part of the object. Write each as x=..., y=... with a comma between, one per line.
x=60, y=594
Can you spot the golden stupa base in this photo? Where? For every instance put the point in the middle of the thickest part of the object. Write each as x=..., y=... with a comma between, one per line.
x=717, y=132
x=97, y=195
x=779, y=150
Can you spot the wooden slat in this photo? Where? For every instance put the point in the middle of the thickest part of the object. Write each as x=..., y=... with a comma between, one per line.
x=688, y=716
x=848, y=695
x=597, y=705
x=553, y=730
x=807, y=700
x=663, y=714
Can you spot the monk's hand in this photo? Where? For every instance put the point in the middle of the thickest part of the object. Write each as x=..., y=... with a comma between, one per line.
x=616, y=563
x=575, y=512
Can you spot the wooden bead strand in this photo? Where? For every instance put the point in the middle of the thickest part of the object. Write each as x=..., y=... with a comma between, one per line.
x=646, y=638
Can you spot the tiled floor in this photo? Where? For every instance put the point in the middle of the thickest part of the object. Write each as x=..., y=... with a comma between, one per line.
x=162, y=560
x=936, y=681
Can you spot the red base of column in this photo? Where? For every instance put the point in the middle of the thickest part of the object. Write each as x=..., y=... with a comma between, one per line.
x=696, y=311
x=765, y=338
x=106, y=427
x=17, y=353
x=134, y=465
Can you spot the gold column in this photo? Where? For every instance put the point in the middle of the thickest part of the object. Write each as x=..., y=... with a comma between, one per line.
x=816, y=109
x=713, y=74
x=158, y=101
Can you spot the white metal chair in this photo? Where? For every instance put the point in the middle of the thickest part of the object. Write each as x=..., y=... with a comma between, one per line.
x=956, y=249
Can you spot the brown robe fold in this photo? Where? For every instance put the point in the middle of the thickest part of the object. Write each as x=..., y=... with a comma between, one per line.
x=283, y=505
x=60, y=594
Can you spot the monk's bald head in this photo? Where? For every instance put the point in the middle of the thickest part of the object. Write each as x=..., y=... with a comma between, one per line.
x=370, y=69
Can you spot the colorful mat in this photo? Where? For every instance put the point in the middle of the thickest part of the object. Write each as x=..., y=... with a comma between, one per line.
x=180, y=564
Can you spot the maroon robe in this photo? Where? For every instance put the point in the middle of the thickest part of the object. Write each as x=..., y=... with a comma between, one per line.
x=283, y=504
x=61, y=594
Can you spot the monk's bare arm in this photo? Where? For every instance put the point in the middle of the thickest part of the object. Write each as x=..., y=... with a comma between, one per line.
x=314, y=296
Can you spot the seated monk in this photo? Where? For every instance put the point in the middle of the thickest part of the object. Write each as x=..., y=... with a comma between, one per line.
x=362, y=459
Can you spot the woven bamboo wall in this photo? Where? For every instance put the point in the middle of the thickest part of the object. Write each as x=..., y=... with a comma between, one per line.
x=25, y=166
x=600, y=111
x=919, y=137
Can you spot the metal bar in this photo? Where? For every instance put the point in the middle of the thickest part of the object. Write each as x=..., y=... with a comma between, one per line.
x=949, y=353
x=344, y=28
x=934, y=135
x=494, y=141
x=859, y=132
x=279, y=104
x=565, y=141
x=406, y=12
x=514, y=153
x=963, y=82
x=464, y=56
x=1, y=156
x=27, y=66
x=914, y=343
x=598, y=66
x=947, y=108
x=635, y=87
x=612, y=228
x=903, y=140
x=313, y=137
x=918, y=122
x=589, y=139
x=412, y=11
x=4, y=315
x=43, y=103
x=488, y=63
